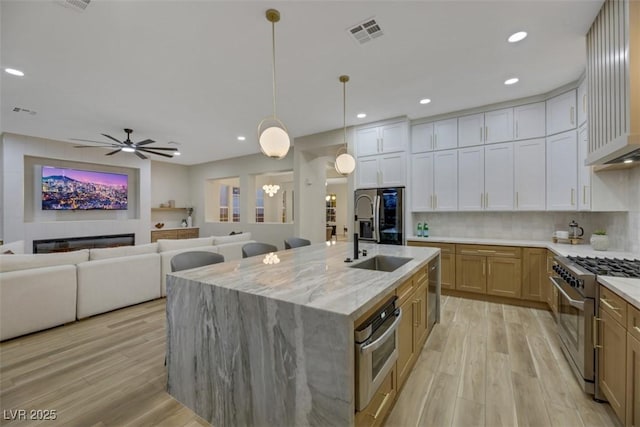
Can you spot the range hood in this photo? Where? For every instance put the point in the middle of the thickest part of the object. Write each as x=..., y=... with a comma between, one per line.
x=613, y=85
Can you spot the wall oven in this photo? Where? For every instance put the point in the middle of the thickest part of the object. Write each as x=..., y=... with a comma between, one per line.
x=376, y=350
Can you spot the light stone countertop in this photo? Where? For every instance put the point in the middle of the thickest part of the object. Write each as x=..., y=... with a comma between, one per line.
x=629, y=289
x=316, y=276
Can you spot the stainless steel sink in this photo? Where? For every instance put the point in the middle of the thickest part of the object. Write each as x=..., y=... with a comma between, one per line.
x=382, y=263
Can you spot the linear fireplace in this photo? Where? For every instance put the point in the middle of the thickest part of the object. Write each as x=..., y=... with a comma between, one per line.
x=77, y=243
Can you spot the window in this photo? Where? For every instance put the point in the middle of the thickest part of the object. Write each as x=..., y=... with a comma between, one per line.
x=259, y=205
x=236, y=204
x=273, y=197
x=222, y=200
x=331, y=207
x=224, y=203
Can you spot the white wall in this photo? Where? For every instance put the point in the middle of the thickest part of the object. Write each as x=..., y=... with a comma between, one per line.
x=244, y=168
x=169, y=182
x=17, y=181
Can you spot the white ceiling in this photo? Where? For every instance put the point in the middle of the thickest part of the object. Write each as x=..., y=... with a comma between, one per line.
x=199, y=72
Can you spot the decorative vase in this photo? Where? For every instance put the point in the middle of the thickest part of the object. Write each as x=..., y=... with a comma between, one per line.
x=599, y=242
x=189, y=221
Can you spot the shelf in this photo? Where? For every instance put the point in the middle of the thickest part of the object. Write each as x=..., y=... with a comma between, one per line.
x=168, y=209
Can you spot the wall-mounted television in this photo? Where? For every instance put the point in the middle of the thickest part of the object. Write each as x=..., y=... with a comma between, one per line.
x=75, y=189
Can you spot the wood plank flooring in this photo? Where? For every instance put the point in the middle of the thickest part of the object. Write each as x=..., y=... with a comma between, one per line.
x=485, y=365
x=490, y=364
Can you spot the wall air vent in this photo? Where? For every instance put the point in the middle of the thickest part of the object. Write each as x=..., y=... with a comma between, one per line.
x=366, y=31
x=23, y=110
x=77, y=5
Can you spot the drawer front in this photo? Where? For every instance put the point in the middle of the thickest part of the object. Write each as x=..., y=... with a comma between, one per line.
x=613, y=305
x=163, y=234
x=445, y=248
x=501, y=251
x=189, y=233
x=633, y=321
x=380, y=406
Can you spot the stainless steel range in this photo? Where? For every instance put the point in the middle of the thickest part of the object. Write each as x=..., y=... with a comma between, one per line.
x=575, y=279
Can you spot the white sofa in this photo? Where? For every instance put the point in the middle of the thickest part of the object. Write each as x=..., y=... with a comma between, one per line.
x=40, y=291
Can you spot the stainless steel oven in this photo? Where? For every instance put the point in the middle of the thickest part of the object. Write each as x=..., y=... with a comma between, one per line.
x=376, y=350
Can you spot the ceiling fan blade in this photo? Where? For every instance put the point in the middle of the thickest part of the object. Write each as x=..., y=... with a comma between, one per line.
x=90, y=140
x=142, y=156
x=145, y=142
x=158, y=148
x=146, y=150
x=96, y=146
x=114, y=152
x=110, y=137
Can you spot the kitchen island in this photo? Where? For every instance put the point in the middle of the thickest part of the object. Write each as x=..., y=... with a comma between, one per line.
x=269, y=340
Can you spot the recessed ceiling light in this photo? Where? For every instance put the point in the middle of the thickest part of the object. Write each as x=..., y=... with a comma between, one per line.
x=177, y=153
x=128, y=149
x=425, y=101
x=361, y=115
x=14, y=72
x=516, y=37
x=511, y=81
x=241, y=138
x=628, y=161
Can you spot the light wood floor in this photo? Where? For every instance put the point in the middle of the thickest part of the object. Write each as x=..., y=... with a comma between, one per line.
x=485, y=364
x=490, y=364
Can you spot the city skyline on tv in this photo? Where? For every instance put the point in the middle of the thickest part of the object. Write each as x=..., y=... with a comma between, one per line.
x=76, y=189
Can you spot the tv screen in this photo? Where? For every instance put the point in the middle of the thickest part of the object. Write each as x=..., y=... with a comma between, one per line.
x=73, y=189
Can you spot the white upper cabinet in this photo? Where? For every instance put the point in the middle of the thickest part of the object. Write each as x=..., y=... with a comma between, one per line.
x=562, y=171
x=561, y=113
x=367, y=172
x=422, y=182
x=498, y=180
x=530, y=174
x=445, y=180
x=582, y=102
x=422, y=138
x=584, y=172
x=445, y=134
x=471, y=179
x=471, y=130
x=383, y=170
x=387, y=138
x=498, y=126
x=529, y=121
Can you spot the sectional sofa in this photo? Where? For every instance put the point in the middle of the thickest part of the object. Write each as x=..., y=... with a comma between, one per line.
x=40, y=291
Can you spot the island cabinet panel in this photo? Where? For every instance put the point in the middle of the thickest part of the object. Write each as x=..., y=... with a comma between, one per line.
x=534, y=274
x=633, y=380
x=376, y=411
x=447, y=262
x=420, y=304
x=471, y=273
x=612, y=362
x=504, y=277
x=406, y=343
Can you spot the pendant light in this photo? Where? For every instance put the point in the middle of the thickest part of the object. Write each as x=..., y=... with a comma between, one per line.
x=345, y=163
x=272, y=133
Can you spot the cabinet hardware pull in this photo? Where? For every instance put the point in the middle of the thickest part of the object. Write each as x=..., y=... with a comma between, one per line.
x=436, y=140
x=517, y=200
x=516, y=128
x=608, y=304
x=486, y=251
x=413, y=312
x=584, y=103
x=431, y=201
x=486, y=133
x=382, y=145
x=572, y=196
x=419, y=312
x=382, y=405
x=486, y=201
x=571, y=115
x=436, y=199
x=594, y=332
x=636, y=328
x=481, y=200
x=483, y=267
x=480, y=133
x=584, y=194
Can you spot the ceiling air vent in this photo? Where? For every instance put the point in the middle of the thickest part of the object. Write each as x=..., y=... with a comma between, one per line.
x=366, y=31
x=78, y=5
x=23, y=110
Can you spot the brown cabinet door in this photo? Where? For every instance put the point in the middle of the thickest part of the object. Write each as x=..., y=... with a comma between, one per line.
x=546, y=285
x=633, y=381
x=380, y=406
x=471, y=273
x=504, y=277
x=406, y=347
x=420, y=316
x=613, y=339
x=447, y=270
x=163, y=234
x=534, y=273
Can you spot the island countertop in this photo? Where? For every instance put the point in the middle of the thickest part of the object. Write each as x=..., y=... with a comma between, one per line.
x=315, y=276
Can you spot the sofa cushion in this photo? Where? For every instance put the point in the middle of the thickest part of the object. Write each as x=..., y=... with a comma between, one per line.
x=13, y=247
x=165, y=245
x=243, y=237
x=122, y=251
x=29, y=261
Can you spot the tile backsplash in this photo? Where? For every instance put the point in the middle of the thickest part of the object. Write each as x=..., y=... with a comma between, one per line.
x=622, y=227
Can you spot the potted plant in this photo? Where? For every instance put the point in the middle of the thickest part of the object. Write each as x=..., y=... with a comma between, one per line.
x=599, y=240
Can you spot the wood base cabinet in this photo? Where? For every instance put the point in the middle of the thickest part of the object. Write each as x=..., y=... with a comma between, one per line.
x=447, y=262
x=492, y=270
x=175, y=233
x=504, y=277
x=380, y=406
x=471, y=273
x=551, y=292
x=534, y=274
x=633, y=381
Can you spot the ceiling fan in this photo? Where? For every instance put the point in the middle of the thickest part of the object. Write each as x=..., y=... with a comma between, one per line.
x=128, y=146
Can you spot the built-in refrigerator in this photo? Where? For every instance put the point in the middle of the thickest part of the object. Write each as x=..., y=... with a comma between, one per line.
x=379, y=215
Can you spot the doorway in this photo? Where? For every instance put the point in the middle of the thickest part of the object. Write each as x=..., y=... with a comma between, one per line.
x=337, y=224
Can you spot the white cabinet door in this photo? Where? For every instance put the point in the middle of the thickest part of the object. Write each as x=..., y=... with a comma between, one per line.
x=367, y=141
x=529, y=121
x=422, y=138
x=582, y=102
x=498, y=179
x=584, y=172
x=446, y=134
x=367, y=172
x=445, y=180
x=471, y=179
x=392, y=137
x=471, y=130
x=562, y=172
x=530, y=175
x=421, y=182
x=561, y=113
x=392, y=169
x=498, y=126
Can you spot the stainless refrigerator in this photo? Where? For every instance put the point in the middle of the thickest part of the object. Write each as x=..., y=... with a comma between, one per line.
x=379, y=215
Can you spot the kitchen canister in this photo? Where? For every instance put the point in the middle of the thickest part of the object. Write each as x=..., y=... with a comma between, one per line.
x=599, y=242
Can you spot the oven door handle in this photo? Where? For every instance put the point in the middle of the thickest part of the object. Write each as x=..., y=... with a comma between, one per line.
x=366, y=349
x=574, y=303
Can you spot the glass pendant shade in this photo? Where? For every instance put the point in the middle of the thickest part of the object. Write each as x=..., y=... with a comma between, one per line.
x=273, y=138
x=345, y=164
